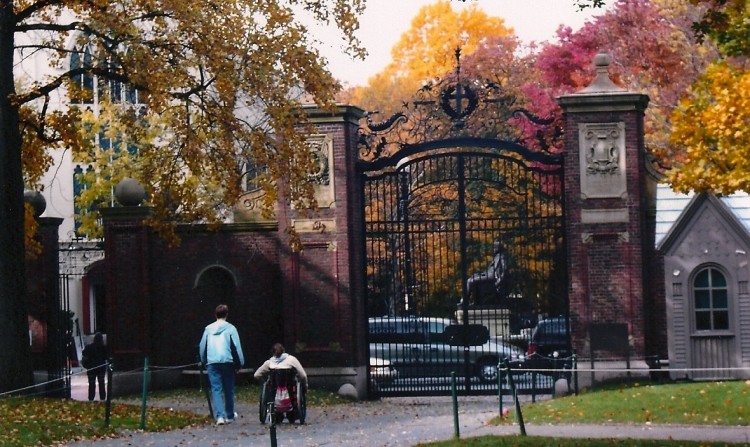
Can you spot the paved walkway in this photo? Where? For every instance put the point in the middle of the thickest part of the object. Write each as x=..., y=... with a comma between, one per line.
x=402, y=422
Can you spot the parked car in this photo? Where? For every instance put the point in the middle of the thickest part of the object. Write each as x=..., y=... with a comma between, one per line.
x=549, y=347
x=435, y=347
x=382, y=371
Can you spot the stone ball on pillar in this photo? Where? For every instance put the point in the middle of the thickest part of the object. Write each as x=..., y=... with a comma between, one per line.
x=602, y=59
x=129, y=192
x=36, y=200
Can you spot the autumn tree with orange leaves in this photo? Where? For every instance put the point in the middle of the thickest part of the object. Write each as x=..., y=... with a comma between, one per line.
x=711, y=122
x=425, y=52
x=425, y=62
x=707, y=147
x=216, y=83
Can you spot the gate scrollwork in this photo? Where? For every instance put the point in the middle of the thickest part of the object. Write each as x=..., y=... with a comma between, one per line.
x=448, y=108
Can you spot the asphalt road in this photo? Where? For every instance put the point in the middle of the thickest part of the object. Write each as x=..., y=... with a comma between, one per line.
x=400, y=422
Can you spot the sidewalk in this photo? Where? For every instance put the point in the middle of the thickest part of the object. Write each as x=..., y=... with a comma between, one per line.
x=402, y=422
x=79, y=385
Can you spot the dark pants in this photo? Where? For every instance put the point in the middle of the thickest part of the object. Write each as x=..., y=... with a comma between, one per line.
x=97, y=375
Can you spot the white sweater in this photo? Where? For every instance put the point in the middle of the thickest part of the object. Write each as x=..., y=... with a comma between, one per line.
x=284, y=361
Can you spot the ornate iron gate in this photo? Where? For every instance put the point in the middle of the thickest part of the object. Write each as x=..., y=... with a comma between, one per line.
x=463, y=241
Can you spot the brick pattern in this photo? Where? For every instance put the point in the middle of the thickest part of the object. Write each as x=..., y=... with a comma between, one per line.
x=324, y=278
x=610, y=264
x=310, y=301
x=313, y=301
x=42, y=297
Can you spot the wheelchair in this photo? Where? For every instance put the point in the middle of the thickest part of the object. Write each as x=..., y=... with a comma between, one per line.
x=282, y=378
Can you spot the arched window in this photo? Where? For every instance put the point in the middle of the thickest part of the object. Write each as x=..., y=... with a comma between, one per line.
x=88, y=89
x=79, y=185
x=82, y=80
x=711, y=300
x=88, y=92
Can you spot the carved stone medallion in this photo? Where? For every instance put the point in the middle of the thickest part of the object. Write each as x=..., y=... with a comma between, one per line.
x=602, y=160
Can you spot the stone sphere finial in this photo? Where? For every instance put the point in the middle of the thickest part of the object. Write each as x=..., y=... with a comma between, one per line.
x=602, y=83
x=129, y=192
x=36, y=200
x=602, y=60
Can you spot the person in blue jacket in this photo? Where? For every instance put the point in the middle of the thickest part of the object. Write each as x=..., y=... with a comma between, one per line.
x=221, y=352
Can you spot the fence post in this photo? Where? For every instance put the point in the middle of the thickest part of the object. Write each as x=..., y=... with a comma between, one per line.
x=519, y=415
x=270, y=414
x=108, y=406
x=456, y=431
x=208, y=388
x=500, y=373
x=575, y=374
x=145, y=393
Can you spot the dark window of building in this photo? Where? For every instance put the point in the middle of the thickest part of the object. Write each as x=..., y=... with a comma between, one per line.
x=711, y=300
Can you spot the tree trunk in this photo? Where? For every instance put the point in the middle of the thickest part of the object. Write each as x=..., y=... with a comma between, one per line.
x=15, y=355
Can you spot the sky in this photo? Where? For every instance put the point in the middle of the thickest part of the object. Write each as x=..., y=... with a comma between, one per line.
x=384, y=21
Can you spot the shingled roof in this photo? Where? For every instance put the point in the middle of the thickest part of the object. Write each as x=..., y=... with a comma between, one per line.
x=671, y=204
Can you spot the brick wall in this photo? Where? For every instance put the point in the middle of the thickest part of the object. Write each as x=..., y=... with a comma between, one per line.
x=309, y=300
x=610, y=258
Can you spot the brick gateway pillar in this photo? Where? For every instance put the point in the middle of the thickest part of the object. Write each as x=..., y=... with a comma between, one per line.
x=323, y=280
x=128, y=273
x=609, y=200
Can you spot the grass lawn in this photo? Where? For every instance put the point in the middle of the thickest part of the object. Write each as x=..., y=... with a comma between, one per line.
x=35, y=421
x=538, y=441
x=700, y=403
x=709, y=403
x=49, y=421
x=45, y=421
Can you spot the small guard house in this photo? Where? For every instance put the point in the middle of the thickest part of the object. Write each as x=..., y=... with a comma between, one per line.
x=706, y=273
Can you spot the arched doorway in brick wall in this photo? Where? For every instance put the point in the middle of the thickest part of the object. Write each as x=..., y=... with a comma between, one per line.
x=215, y=285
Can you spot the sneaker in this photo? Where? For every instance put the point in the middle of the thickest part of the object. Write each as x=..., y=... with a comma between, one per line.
x=229, y=421
x=220, y=421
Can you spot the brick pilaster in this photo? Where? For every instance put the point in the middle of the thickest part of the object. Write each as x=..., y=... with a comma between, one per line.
x=607, y=199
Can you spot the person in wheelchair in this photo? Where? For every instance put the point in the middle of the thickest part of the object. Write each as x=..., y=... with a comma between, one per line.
x=285, y=385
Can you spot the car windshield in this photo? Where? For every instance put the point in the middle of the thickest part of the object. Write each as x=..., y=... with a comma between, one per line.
x=408, y=330
x=550, y=327
x=434, y=327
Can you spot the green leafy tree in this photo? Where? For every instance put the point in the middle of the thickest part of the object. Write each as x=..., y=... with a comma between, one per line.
x=726, y=23
x=215, y=83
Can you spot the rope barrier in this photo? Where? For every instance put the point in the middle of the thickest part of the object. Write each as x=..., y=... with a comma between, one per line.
x=627, y=369
x=515, y=370
x=46, y=384
x=49, y=382
x=173, y=367
x=39, y=393
x=19, y=390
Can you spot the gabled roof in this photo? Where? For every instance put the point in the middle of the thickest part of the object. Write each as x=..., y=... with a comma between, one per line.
x=674, y=210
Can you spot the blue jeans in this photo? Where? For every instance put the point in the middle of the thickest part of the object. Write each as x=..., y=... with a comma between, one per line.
x=221, y=377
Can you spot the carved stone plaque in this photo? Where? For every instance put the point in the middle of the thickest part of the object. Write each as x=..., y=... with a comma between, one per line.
x=602, y=160
x=314, y=225
x=321, y=147
x=249, y=208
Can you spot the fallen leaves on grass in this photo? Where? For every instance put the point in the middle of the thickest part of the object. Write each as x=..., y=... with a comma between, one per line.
x=50, y=421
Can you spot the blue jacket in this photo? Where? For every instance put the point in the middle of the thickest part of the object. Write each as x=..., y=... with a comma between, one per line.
x=215, y=343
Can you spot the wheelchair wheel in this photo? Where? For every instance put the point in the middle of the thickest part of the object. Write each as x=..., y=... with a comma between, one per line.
x=263, y=404
x=302, y=404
